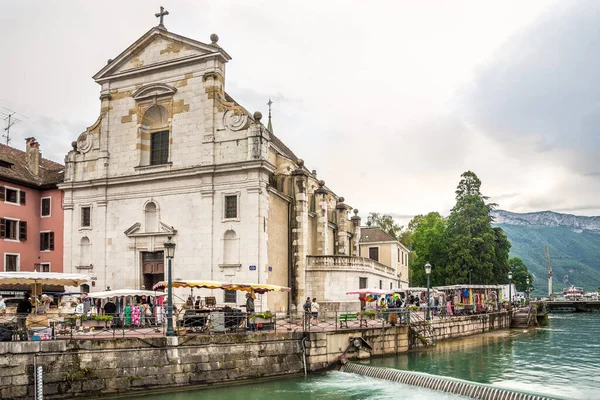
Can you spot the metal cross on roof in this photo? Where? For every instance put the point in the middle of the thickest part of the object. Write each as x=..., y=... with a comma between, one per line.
x=160, y=15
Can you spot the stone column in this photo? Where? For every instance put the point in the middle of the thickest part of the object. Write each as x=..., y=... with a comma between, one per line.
x=322, y=219
x=300, y=232
x=342, y=233
x=356, y=239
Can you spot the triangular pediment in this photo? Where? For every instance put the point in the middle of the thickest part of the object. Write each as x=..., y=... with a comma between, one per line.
x=158, y=48
x=135, y=230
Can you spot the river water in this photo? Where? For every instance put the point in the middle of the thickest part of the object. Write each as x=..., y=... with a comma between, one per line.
x=561, y=360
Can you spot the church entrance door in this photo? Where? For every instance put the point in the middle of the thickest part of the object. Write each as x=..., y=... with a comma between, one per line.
x=153, y=268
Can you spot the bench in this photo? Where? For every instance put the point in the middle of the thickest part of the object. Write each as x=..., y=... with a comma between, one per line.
x=344, y=318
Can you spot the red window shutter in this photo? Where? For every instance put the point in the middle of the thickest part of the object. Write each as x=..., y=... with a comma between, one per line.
x=2, y=193
x=42, y=241
x=2, y=228
x=22, y=197
x=23, y=230
x=51, y=240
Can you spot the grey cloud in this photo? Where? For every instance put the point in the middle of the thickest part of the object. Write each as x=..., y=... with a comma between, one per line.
x=53, y=135
x=543, y=86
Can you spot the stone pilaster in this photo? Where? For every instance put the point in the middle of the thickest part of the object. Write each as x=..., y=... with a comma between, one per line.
x=300, y=232
x=343, y=227
x=322, y=219
x=356, y=238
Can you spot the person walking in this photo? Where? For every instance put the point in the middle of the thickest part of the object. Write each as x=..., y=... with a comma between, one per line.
x=307, y=312
x=2, y=306
x=314, y=309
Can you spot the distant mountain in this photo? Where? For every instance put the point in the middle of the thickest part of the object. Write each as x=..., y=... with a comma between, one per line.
x=573, y=241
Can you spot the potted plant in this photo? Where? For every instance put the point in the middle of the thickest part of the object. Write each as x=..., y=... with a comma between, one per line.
x=367, y=314
x=96, y=320
x=262, y=318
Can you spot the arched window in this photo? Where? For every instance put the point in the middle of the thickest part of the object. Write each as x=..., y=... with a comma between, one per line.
x=231, y=248
x=155, y=136
x=85, y=251
x=151, y=217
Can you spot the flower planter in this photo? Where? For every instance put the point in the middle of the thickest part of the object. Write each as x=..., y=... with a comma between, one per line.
x=262, y=320
x=93, y=323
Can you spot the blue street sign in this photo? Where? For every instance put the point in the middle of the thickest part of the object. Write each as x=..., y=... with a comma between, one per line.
x=253, y=268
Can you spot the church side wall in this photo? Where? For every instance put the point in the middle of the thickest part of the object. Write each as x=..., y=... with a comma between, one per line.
x=278, y=245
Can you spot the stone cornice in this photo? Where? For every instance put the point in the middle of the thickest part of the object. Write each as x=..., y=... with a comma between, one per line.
x=171, y=173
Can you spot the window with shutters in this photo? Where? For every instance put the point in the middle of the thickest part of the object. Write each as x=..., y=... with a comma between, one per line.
x=9, y=229
x=380, y=284
x=374, y=253
x=47, y=241
x=159, y=148
x=22, y=231
x=86, y=214
x=230, y=296
x=12, y=196
x=11, y=262
x=45, y=212
x=230, y=207
x=362, y=283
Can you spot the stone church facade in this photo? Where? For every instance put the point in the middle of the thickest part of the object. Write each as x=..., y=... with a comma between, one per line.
x=172, y=154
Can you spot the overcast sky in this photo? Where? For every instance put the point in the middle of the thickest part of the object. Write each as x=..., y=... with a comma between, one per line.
x=390, y=101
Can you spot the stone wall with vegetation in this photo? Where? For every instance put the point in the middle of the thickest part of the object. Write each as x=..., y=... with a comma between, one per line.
x=91, y=368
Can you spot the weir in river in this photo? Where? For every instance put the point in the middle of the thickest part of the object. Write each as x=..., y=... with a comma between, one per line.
x=448, y=385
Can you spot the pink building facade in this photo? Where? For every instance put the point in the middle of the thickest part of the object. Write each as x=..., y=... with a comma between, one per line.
x=31, y=213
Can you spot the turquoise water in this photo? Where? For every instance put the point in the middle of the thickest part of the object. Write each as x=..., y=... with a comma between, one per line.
x=561, y=360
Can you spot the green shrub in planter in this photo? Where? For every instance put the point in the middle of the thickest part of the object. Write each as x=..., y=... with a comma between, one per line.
x=368, y=314
x=264, y=315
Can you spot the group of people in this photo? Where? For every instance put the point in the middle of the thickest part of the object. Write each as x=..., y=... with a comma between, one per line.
x=311, y=311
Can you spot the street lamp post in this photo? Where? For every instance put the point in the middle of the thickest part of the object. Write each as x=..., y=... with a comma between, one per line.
x=509, y=291
x=427, y=272
x=469, y=276
x=170, y=250
x=527, y=289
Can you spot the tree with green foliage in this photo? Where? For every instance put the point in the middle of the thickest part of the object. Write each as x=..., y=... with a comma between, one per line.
x=429, y=243
x=520, y=274
x=501, y=253
x=473, y=244
x=386, y=223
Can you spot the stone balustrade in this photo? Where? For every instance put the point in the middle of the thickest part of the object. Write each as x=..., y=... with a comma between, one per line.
x=349, y=262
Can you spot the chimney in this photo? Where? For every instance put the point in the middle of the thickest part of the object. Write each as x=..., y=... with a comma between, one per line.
x=32, y=148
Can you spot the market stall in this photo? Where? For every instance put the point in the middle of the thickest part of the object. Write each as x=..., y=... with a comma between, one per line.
x=132, y=307
x=221, y=318
x=37, y=323
x=470, y=299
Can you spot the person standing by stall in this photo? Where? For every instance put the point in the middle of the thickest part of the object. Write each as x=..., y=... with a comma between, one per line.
x=24, y=308
x=249, y=308
x=87, y=303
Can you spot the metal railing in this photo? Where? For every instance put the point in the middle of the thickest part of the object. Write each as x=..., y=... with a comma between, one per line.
x=57, y=325
x=21, y=327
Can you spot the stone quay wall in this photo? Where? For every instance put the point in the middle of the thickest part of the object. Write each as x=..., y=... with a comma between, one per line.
x=455, y=327
x=327, y=348
x=99, y=367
